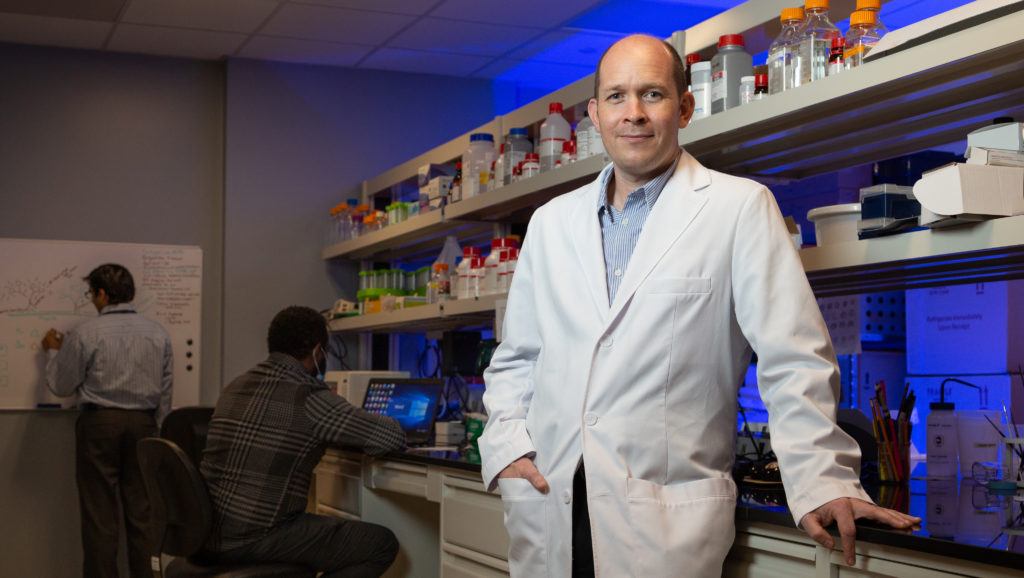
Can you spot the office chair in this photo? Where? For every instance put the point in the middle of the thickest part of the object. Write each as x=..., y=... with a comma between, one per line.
x=187, y=427
x=181, y=517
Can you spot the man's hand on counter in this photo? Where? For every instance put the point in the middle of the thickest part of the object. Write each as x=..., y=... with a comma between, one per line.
x=524, y=468
x=843, y=511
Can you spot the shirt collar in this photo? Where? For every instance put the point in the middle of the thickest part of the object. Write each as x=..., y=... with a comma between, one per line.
x=117, y=307
x=651, y=189
x=294, y=366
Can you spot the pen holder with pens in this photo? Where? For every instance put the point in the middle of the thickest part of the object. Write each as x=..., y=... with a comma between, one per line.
x=893, y=462
x=892, y=436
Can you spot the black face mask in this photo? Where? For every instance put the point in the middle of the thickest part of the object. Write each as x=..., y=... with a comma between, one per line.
x=319, y=373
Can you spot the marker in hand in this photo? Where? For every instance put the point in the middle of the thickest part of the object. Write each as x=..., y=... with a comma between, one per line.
x=53, y=339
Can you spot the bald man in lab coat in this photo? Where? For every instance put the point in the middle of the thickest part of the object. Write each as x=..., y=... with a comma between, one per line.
x=636, y=304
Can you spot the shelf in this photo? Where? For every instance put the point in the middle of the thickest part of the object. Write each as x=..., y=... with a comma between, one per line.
x=932, y=94
x=469, y=220
x=436, y=317
x=982, y=252
x=929, y=95
x=418, y=236
x=526, y=194
x=412, y=319
x=481, y=308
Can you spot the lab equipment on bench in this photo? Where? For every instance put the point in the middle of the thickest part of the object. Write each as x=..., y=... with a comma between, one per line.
x=352, y=385
x=411, y=402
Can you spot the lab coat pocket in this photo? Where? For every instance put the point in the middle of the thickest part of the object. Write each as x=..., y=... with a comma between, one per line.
x=679, y=285
x=681, y=529
x=527, y=525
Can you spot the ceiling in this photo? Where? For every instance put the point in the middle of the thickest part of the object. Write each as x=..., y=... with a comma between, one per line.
x=463, y=38
x=528, y=47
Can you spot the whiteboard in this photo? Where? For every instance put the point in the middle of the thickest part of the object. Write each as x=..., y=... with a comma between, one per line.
x=41, y=287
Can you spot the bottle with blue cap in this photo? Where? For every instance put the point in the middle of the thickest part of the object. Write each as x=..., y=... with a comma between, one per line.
x=476, y=164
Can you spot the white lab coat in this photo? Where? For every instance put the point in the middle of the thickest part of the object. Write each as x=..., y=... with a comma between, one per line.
x=644, y=389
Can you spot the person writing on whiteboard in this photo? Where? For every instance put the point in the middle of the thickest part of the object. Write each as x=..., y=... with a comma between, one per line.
x=635, y=307
x=120, y=366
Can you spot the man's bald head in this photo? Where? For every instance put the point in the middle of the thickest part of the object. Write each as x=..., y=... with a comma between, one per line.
x=678, y=70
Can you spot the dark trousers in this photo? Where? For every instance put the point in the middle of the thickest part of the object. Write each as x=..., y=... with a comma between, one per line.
x=582, y=545
x=106, y=465
x=338, y=548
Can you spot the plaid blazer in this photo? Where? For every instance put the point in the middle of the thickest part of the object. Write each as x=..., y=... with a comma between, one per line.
x=269, y=430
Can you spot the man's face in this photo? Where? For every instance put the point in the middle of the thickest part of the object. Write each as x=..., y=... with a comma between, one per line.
x=638, y=109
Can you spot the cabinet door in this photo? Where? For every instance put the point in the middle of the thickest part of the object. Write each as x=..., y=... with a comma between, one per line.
x=455, y=566
x=339, y=486
x=472, y=518
x=874, y=568
x=768, y=556
x=399, y=477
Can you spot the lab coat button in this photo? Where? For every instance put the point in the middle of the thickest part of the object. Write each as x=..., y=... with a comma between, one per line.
x=607, y=342
x=590, y=419
x=567, y=497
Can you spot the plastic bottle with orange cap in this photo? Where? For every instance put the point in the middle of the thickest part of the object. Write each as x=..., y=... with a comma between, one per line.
x=864, y=33
x=784, y=51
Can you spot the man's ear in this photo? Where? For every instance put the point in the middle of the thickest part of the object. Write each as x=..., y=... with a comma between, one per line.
x=686, y=106
x=592, y=111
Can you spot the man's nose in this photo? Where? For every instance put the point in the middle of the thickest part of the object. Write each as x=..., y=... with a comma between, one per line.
x=635, y=112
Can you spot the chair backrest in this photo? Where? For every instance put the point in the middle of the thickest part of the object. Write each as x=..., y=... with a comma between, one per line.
x=180, y=510
x=187, y=427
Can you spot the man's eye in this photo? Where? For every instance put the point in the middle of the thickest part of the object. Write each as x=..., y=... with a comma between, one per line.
x=615, y=96
x=653, y=95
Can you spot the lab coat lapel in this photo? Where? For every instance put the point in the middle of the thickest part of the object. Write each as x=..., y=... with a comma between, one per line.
x=677, y=206
x=586, y=237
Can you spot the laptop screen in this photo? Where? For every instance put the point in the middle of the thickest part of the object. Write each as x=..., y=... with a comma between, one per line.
x=412, y=402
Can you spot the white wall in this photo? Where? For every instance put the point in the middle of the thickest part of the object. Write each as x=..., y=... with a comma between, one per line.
x=99, y=147
x=299, y=140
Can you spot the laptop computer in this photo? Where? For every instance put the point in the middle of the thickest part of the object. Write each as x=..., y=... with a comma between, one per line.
x=412, y=402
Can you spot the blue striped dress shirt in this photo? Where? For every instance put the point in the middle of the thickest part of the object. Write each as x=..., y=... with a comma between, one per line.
x=119, y=359
x=620, y=230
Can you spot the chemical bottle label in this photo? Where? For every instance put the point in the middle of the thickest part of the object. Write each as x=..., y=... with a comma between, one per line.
x=719, y=85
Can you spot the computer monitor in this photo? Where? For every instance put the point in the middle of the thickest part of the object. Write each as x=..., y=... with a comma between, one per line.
x=412, y=402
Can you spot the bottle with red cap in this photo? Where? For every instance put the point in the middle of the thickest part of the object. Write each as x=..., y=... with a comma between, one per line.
x=568, y=152
x=554, y=131
x=728, y=66
x=691, y=59
x=531, y=165
x=835, y=57
x=491, y=282
x=461, y=281
x=476, y=278
x=760, y=85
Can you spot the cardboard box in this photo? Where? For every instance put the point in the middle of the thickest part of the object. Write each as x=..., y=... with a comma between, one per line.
x=965, y=329
x=935, y=221
x=437, y=188
x=431, y=171
x=994, y=157
x=1008, y=136
x=958, y=188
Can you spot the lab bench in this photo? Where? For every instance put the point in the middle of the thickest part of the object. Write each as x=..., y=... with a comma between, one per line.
x=450, y=526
